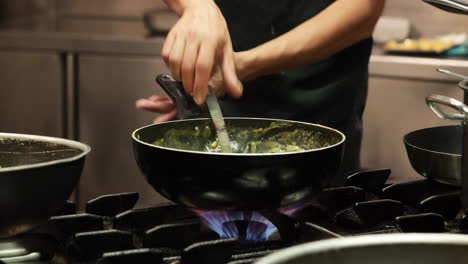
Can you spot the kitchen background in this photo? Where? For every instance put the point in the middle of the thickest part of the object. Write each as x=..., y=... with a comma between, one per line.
x=75, y=68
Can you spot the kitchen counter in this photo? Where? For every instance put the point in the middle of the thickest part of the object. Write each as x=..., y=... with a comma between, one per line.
x=411, y=67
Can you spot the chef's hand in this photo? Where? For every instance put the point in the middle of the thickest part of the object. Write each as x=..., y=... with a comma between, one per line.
x=196, y=43
x=158, y=104
x=166, y=107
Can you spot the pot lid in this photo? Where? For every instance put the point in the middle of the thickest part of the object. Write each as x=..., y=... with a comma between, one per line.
x=453, y=6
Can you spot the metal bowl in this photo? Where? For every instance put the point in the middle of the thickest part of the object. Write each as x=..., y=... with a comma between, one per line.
x=37, y=176
x=410, y=248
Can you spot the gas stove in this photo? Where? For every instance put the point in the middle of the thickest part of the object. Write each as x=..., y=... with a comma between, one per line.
x=111, y=230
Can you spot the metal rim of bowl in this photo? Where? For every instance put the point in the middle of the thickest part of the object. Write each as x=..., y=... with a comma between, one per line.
x=333, y=244
x=61, y=141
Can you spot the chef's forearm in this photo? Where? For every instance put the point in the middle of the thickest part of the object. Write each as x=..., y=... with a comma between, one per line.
x=342, y=24
x=179, y=6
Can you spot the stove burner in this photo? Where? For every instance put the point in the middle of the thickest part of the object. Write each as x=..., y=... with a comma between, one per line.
x=241, y=225
x=111, y=231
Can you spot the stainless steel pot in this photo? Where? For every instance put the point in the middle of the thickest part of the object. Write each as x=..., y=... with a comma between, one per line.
x=436, y=152
x=441, y=153
x=382, y=249
x=461, y=116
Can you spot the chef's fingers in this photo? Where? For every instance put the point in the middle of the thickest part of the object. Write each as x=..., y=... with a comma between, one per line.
x=203, y=68
x=232, y=85
x=166, y=50
x=157, y=107
x=166, y=117
x=157, y=98
x=188, y=65
x=175, y=58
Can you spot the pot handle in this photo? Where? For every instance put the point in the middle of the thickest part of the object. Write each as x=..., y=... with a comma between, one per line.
x=464, y=85
x=186, y=106
x=434, y=102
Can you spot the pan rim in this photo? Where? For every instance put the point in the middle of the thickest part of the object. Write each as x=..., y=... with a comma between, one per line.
x=334, y=244
x=62, y=141
x=343, y=138
x=425, y=149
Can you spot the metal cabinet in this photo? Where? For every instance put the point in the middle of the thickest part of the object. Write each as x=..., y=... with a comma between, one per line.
x=107, y=90
x=32, y=93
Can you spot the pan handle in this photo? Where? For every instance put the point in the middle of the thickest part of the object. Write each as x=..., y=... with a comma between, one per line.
x=434, y=102
x=186, y=106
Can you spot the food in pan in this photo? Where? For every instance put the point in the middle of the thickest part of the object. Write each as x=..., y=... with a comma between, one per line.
x=275, y=138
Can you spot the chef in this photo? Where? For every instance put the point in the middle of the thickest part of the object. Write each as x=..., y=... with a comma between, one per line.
x=304, y=60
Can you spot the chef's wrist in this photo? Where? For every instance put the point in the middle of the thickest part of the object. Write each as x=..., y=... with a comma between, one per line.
x=180, y=6
x=245, y=61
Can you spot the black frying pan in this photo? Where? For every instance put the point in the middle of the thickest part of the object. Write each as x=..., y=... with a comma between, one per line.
x=37, y=175
x=435, y=153
x=181, y=161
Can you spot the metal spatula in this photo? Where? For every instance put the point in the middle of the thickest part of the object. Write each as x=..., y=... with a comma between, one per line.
x=187, y=108
x=218, y=120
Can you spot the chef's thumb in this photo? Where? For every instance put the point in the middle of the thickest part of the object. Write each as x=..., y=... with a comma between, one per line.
x=232, y=84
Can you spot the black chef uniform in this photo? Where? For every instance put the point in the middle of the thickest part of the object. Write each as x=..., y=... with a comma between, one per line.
x=332, y=92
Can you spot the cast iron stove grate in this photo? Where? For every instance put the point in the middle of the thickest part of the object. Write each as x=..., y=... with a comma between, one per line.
x=112, y=231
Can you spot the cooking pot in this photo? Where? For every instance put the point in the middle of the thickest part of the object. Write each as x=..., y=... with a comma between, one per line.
x=441, y=153
x=410, y=248
x=37, y=176
x=179, y=159
x=436, y=152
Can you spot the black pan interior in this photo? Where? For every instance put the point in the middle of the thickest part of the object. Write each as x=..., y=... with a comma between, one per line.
x=18, y=152
x=445, y=139
x=246, y=135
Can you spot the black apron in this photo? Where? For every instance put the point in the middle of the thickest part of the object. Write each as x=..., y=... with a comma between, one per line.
x=332, y=92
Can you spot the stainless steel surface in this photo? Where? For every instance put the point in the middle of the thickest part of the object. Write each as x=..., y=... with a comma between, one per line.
x=31, y=93
x=461, y=84
x=464, y=86
x=453, y=74
x=218, y=120
x=383, y=249
x=71, y=90
x=23, y=8
x=434, y=102
x=460, y=6
x=108, y=89
x=106, y=9
x=80, y=43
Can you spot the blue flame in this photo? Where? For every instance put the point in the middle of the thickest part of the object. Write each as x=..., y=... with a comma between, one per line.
x=223, y=222
x=258, y=232
x=216, y=219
